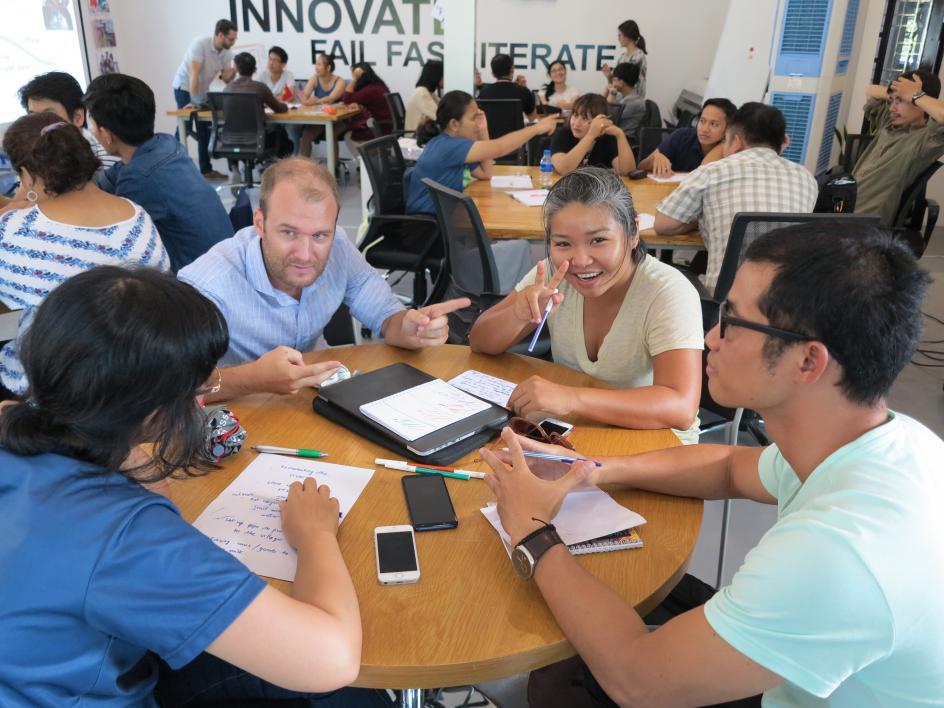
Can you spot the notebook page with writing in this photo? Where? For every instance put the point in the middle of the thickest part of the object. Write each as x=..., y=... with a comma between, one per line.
x=423, y=409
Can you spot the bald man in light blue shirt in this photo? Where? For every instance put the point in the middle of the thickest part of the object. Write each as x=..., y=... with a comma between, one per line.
x=280, y=281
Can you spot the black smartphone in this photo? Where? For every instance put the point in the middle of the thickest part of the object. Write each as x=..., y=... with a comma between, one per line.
x=428, y=502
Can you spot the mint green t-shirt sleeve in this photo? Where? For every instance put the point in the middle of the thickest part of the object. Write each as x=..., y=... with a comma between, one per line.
x=770, y=469
x=804, y=605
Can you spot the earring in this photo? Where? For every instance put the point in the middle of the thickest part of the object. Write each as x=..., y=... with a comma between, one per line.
x=32, y=197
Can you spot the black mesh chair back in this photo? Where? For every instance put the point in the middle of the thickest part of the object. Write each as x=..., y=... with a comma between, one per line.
x=614, y=112
x=397, y=112
x=909, y=224
x=649, y=139
x=504, y=116
x=239, y=125
x=469, y=260
x=396, y=240
x=852, y=149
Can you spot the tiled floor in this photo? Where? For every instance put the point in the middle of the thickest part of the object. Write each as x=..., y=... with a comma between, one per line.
x=917, y=392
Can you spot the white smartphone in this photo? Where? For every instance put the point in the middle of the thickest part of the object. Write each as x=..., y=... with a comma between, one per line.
x=395, y=549
x=552, y=425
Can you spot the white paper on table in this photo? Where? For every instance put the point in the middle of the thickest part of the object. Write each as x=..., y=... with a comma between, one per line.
x=511, y=182
x=674, y=177
x=423, y=409
x=586, y=514
x=491, y=388
x=535, y=197
x=645, y=221
x=245, y=519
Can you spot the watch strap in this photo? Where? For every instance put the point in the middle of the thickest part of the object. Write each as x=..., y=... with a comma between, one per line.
x=917, y=95
x=540, y=542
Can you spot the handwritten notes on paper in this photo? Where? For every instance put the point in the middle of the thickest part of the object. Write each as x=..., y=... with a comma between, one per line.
x=587, y=513
x=423, y=409
x=491, y=388
x=245, y=519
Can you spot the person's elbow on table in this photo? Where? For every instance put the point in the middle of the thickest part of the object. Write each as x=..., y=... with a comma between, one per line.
x=667, y=225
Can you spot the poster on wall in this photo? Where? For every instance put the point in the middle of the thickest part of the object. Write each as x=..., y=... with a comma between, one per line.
x=105, y=40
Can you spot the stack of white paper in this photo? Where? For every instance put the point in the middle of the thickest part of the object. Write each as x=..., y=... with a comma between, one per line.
x=535, y=197
x=511, y=182
x=587, y=513
x=245, y=519
x=674, y=177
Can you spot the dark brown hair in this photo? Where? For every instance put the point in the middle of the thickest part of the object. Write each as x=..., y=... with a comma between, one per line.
x=590, y=105
x=52, y=150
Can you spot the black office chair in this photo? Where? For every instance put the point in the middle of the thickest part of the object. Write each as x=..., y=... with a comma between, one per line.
x=504, y=116
x=397, y=113
x=614, y=112
x=395, y=240
x=649, y=139
x=852, y=149
x=470, y=264
x=239, y=130
x=910, y=224
x=745, y=229
x=240, y=215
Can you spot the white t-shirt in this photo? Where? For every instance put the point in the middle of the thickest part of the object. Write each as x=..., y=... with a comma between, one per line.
x=568, y=95
x=421, y=105
x=842, y=596
x=278, y=87
x=661, y=312
x=212, y=62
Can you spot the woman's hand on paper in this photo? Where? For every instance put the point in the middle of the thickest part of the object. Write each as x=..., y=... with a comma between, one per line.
x=526, y=502
x=530, y=303
x=661, y=165
x=308, y=511
x=538, y=395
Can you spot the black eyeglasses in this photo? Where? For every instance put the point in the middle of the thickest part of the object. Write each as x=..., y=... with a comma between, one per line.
x=724, y=320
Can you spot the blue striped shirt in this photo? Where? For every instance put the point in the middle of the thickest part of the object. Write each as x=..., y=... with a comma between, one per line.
x=38, y=253
x=260, y=317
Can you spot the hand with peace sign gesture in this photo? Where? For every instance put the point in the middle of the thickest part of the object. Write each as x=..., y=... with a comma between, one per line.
x=425, y=327
x=519, y=313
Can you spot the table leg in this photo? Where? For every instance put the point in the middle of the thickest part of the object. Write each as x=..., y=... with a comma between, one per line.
x=412, y=698
x=182, y=130
x=329, y=136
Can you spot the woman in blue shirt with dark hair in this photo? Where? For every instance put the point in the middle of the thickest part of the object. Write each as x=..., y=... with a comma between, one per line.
x=100, y=574
x=457, y=140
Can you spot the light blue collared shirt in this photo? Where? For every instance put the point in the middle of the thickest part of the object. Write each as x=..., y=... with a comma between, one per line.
x=260, y=318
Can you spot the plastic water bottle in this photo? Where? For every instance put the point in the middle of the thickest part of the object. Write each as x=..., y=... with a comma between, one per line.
x=547, y=170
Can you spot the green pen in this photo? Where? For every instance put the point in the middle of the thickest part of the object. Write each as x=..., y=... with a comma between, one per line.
x=297, y=452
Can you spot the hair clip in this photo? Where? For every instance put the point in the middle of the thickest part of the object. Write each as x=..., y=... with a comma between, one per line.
x=51, y=126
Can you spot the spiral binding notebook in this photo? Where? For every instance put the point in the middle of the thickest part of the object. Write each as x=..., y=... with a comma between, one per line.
x=621, y=540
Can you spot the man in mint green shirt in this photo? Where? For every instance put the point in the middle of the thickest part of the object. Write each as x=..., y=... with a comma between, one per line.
x=840, y=603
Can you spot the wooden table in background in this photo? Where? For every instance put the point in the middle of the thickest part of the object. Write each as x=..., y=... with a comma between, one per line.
x=304, y=115
x=469, y=618
x=505, y=217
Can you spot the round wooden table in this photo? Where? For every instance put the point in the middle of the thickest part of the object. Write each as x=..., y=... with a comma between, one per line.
x=469, y=619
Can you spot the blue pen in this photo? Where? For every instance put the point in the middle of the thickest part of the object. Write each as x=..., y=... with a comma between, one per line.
x=547, y=310
x=556, y=458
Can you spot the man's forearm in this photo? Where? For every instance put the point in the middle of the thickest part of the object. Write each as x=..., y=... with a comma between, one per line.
x=236, y=381
x=934, y=107
x=877, y=92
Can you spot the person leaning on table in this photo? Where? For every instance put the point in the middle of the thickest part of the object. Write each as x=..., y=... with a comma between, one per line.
x=101, y=575
x=590, y=138
x=279, y=282
x=839, y=603
x=620, y=315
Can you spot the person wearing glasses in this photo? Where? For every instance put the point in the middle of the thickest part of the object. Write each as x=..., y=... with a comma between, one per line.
x=102, y=577
x=616, y=314
x=839, y=603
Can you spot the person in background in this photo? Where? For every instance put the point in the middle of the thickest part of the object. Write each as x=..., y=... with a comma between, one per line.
x=323, y=87
x=685, y=149
x=155, y=170
x=506, y=87
x=64, y=226
x=206, y=59
x=617, y=314
x=280, y=80
x=751, y=177
x=838, y=604
x=634, y=52
x=909, y=137
x=590, y=138
x=367, y=90
x=279, y=282
x=623, y=91
x=243, y=83
x=59, y=93
x=556, y=92
x=117, y=358
x=425, y=97
x=457, y=140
